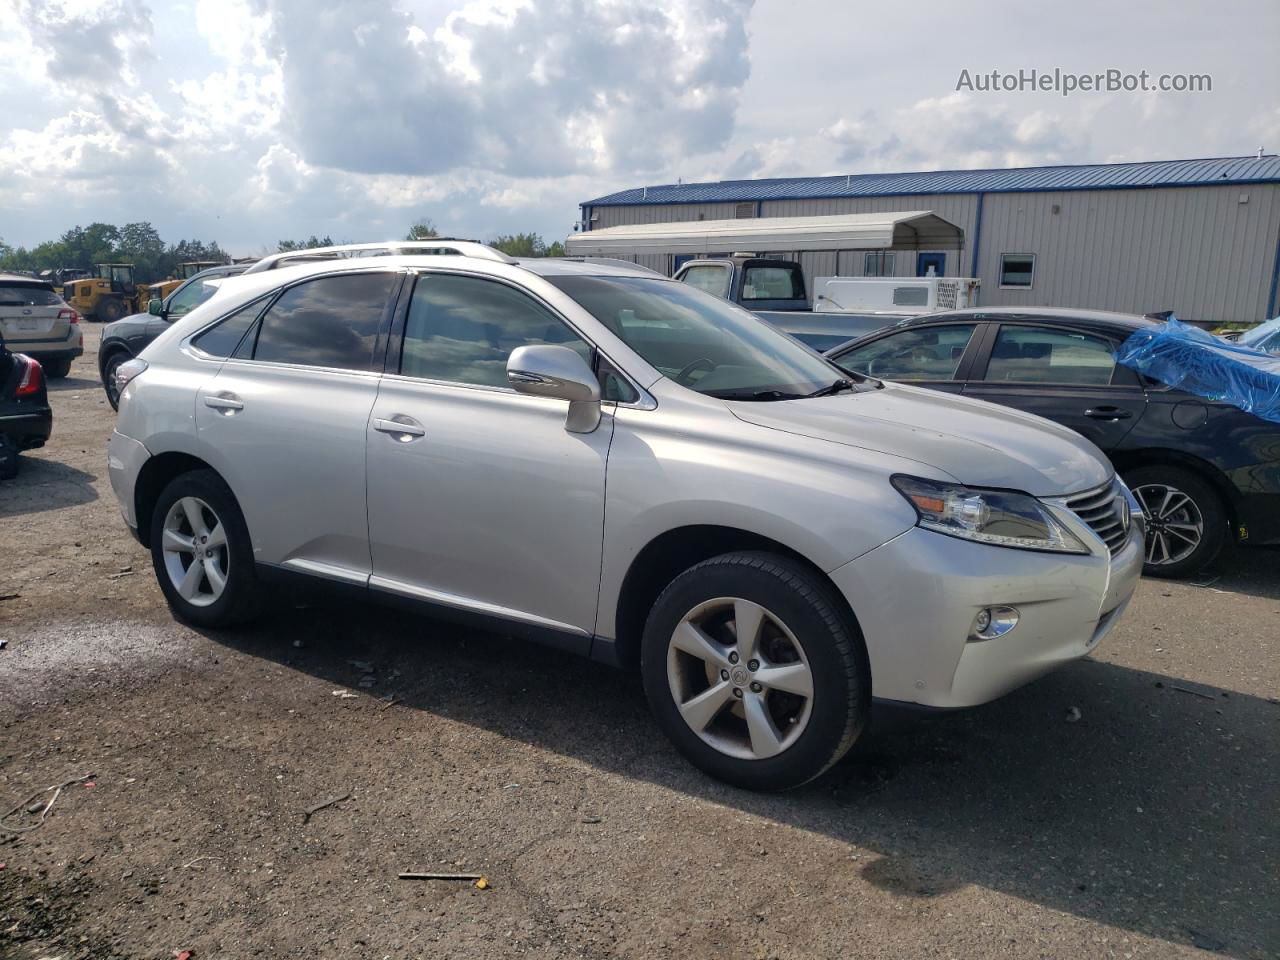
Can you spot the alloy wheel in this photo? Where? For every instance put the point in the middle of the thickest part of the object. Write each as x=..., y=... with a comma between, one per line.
x=1175, y=526
x=196, y=556
x=740, y=678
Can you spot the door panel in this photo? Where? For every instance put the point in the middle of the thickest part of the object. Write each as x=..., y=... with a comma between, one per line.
x=293, y=453
x=1061, y=375
x=495, y=506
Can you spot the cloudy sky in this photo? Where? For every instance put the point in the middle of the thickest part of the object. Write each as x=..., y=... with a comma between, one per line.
x=249, y=121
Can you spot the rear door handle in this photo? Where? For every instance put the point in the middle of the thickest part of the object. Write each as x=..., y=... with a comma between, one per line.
x=1107, y=413
x=227, y=403
x=401, y=427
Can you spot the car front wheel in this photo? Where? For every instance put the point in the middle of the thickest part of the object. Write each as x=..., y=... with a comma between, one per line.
x=754, y=671
x=1186, y=520
x=109, y=378
x=201, y=552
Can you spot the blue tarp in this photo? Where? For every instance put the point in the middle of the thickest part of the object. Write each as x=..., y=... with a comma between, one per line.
x=1194, y=360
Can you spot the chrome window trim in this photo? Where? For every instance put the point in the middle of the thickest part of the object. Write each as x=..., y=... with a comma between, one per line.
x=269, y=299
x=646, y=401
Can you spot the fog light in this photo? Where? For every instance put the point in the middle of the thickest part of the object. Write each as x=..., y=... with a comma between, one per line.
x=992, y=622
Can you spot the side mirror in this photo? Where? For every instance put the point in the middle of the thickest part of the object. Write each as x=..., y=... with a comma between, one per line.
x=155, y=307
x=546, y=370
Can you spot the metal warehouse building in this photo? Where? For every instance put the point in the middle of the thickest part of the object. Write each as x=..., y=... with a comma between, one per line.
x=1198, y=237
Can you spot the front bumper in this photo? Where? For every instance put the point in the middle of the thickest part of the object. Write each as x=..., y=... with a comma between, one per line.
x=916, y=598
x=125, y=458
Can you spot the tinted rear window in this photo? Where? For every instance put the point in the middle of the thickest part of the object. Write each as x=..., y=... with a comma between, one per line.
x=28, y=295
x=221, y=340
x=326, y=322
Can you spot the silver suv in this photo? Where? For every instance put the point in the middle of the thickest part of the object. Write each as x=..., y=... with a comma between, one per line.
x=630, y=469
x=36, y=321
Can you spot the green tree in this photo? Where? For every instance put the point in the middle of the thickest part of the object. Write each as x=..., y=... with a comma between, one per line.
x=520, y=245
x=422, y=230
x=140, y=244
x=285, y=246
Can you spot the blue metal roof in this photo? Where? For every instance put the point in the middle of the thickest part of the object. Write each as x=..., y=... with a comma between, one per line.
x=1105, y=176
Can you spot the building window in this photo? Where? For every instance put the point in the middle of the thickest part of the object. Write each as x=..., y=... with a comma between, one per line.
x=1017, y=270
x=878, y=264
x=745, y=211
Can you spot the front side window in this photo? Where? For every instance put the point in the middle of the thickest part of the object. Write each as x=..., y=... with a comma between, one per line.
x=1041, y=355
x=878, y=263
x=463, y=329
x=700, y=341
x=1017, y=270
x=772, y=283
x=930, y=353
x=710, y=279
x=326, y=322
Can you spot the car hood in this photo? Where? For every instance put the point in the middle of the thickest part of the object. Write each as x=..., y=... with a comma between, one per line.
x=126, y=325
x=977, y=443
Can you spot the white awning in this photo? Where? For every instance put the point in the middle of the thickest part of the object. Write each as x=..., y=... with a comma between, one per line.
x=912, y=230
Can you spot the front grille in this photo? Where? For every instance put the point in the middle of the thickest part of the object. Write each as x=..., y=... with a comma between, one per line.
x=1102, y=509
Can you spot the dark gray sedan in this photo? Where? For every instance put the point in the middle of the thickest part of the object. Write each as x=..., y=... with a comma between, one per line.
x=127, y=337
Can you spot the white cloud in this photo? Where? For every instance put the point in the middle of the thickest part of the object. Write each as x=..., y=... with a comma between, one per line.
x=252, y=120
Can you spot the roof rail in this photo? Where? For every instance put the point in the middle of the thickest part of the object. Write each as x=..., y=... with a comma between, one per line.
x=604, y=262
x=448, y=246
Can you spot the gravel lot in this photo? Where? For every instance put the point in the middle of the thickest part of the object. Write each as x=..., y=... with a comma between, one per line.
x=1147, y=828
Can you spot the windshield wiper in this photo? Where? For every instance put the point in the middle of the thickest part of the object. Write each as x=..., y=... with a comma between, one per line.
x=831, y=388
x=755, y=395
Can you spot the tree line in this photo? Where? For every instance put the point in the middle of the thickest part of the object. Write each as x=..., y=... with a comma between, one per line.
x=140, y=244
x=136, y=243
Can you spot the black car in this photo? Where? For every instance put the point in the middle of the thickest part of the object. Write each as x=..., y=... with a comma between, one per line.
x=1201, y=469
x=126, y=338
x=25, y=417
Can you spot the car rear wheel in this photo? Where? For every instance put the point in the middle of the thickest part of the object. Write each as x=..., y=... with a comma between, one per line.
x=1186, y=520
x=56, y=369
x=754, y=672
x=201, y=552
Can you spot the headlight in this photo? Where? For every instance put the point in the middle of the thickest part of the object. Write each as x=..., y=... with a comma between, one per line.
x=997, y=517
x=127, y=371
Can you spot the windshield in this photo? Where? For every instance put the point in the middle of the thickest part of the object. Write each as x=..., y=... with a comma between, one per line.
x=190, y=295
x=1254, y=337
x=699, y=341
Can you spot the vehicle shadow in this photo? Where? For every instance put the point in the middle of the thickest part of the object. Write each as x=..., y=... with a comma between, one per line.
x=1239, y=569
x=1154, y=812
x=65, y=384
x=44, y=485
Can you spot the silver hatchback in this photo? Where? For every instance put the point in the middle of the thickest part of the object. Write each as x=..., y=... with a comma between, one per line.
x=628, y=468
x=36, y=321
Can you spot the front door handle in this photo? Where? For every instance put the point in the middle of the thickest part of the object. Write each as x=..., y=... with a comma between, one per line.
x=1107, y=413
x=400, y=427
x=224, y=403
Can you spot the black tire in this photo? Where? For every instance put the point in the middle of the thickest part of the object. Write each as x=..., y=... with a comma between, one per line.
x=240, y=600
x=109, y=310
x=8, y=458
x=56, y=369
x=108, y=377
x=1146, y=483
x=832, y=645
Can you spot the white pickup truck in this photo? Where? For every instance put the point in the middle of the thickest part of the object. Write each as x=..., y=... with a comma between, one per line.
x=843, y=307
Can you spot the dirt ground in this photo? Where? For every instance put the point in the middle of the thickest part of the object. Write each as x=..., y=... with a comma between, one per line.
x=1146, y=828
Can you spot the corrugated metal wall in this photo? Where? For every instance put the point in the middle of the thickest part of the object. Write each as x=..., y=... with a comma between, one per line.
x=1198, y=251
